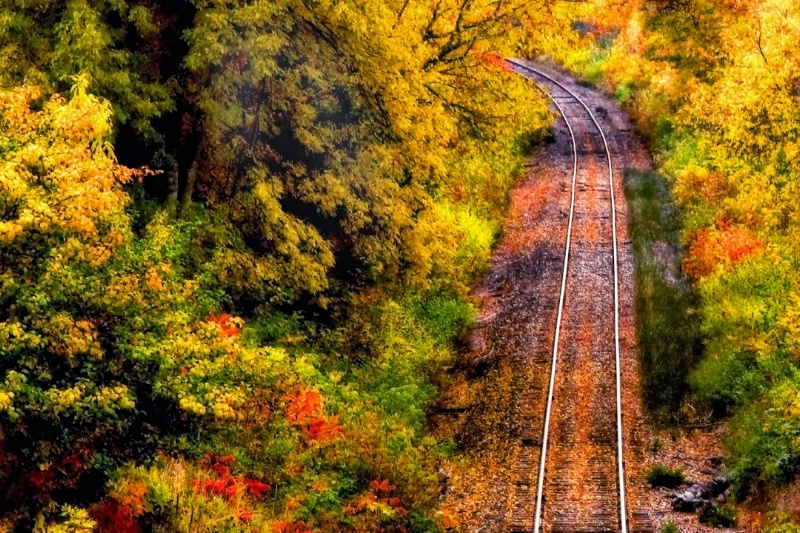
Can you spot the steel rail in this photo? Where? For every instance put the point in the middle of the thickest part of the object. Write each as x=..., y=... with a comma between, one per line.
x=561, y=298
x=620, y=455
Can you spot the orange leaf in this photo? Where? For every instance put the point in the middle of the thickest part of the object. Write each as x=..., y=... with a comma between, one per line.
x=302, y=406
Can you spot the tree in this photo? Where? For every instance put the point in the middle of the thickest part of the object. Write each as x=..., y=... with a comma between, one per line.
x=105, y=347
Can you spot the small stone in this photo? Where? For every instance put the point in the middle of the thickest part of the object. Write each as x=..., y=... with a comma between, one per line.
x=686, y=503
x=698, y=490
x=721, y=498
x=719, y=485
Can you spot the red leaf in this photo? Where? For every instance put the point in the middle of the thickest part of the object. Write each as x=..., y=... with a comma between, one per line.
x=231, y=490
x=111, y=517
x=382, y=486
x=322, y=428
x=256, y=488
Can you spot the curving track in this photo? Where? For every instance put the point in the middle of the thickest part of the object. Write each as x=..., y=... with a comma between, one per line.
x=580, y=468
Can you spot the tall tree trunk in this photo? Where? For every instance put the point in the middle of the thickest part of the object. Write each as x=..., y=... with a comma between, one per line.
x=174, y=180
x=191, y=178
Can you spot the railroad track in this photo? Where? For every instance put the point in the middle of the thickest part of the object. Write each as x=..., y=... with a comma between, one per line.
x=574, y=448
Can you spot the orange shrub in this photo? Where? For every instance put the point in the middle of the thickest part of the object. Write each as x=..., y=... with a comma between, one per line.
x=723, y=244
x=303, y=410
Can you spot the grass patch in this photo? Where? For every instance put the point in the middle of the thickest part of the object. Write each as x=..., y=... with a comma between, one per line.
x=666, y=316
x=669, y=527
x=664, y=476
x=722, y=516
x=447, y=318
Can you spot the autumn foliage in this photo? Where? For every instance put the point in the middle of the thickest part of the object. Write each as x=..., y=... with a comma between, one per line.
x=723, y=245
x=225, y=484
x=228, y=325
x=90, y=310
x=304, y=411
x=236, y=244
x=295, y=527
x=111, y=516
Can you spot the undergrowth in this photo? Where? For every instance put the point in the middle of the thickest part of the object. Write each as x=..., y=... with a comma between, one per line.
x=664, y=476
x=669, y=339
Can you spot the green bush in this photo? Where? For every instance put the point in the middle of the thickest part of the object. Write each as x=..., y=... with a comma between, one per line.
x=722, y=516
x=781, y=522
x=763, y=442
x=664, y=476
x=446, y=318
x=669, y=527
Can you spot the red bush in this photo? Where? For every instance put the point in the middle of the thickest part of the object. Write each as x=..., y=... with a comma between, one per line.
x=323, y=429
x=112, y=517
x=303, y=406
x=256, y=488
x=226, y=485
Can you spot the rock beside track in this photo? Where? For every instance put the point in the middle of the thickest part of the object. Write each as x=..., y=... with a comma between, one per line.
x=698, y=496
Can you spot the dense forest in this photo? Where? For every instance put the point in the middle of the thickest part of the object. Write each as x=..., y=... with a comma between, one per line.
x=237, y=241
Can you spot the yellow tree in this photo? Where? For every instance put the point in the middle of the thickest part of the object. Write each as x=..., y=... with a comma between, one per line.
x=107, y=348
